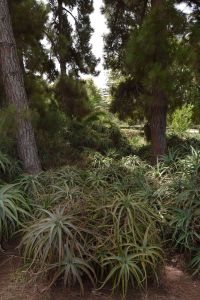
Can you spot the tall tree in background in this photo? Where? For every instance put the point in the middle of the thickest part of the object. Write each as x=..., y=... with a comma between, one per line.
x=194, y=37
x=158, y=107
x=141, y=42
x=15, y=92
x=29, y=33
x=69, y=32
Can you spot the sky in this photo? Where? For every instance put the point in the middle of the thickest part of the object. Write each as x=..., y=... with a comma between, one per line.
x=98, y=22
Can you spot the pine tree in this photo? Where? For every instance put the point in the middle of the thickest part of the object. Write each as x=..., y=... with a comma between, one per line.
x=15, y=92
x=69, y=34
x=29, y=33
x=141, y=43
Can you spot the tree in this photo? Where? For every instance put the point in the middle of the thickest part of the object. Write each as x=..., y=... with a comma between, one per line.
x=69, y=36
x=157, y=113
x=194, y=37
x=29, y=33
x=15, y=92
x=141, y=42
x=94, y=94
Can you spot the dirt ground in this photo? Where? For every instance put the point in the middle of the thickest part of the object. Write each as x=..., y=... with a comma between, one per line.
x=13, y=286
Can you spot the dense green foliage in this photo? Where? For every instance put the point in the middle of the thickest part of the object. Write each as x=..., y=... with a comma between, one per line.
x=130, y=47
x=101, y=211
x=181, y=119
x=152, y=46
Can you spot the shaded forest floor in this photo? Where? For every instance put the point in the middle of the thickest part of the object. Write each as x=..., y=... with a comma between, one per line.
x=14, y=286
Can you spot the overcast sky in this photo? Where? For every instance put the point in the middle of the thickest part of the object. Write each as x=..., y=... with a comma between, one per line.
x=100, y=28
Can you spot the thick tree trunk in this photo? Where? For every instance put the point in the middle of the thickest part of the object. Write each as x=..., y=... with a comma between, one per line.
x=15, y=92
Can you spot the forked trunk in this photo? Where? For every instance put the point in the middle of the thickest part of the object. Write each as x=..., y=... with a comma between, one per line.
x=15, y=92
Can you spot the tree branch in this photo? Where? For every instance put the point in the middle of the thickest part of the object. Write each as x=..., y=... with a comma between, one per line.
x=69, y=12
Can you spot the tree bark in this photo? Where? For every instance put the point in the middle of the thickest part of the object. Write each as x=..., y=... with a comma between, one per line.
x=15, y=92
x=158, y=116
x=62, y=56
x=158, y=107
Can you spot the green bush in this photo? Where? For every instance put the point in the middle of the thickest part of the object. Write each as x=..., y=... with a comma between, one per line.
x=91, y=222
x=181, y=119
x=131, y=265
x=96, y=131
x=55, y=244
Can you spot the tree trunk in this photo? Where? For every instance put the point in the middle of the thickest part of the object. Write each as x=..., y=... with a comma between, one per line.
x=158, y=107
x=158, y=116
x=62, y=57
x=15, y=92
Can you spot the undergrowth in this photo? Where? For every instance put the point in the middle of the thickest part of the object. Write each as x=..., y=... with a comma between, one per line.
x=109, y=222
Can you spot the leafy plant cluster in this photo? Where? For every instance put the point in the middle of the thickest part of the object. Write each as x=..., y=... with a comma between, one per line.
x=97, y=131
x=181, y=119
x=66, y=137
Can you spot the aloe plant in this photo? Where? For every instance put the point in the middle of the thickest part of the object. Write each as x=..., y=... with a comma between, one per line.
x=45, y=239
x=71, y=269
x=132, y=265
x=4, y=161
x=14, y=208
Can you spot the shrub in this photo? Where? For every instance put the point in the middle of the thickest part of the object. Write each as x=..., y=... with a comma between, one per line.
x=182, y=119
x=128, y=246
x=185, y=216
x=56, y=243
x=132, y=264
x=31, y=185
x=14, y=209
x=106, y=227
x=195, y=263
x=98, y=132
x=4, y=162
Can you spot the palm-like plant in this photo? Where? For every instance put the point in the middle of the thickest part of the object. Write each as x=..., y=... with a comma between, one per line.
x=72, y=268
x=185, y=225
x=4, y=161
x=171, y=158
x=56, y=245
x=191, y=163
x=13, y=210
x=132, y=264
x=132, y=162
x=45, y=240
x=97, y=179
x=69, y=175
x=31, y=185
x=123, y=269
x=195, y=263
x=132, y=215
x=64, y=192
x=151, y=254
